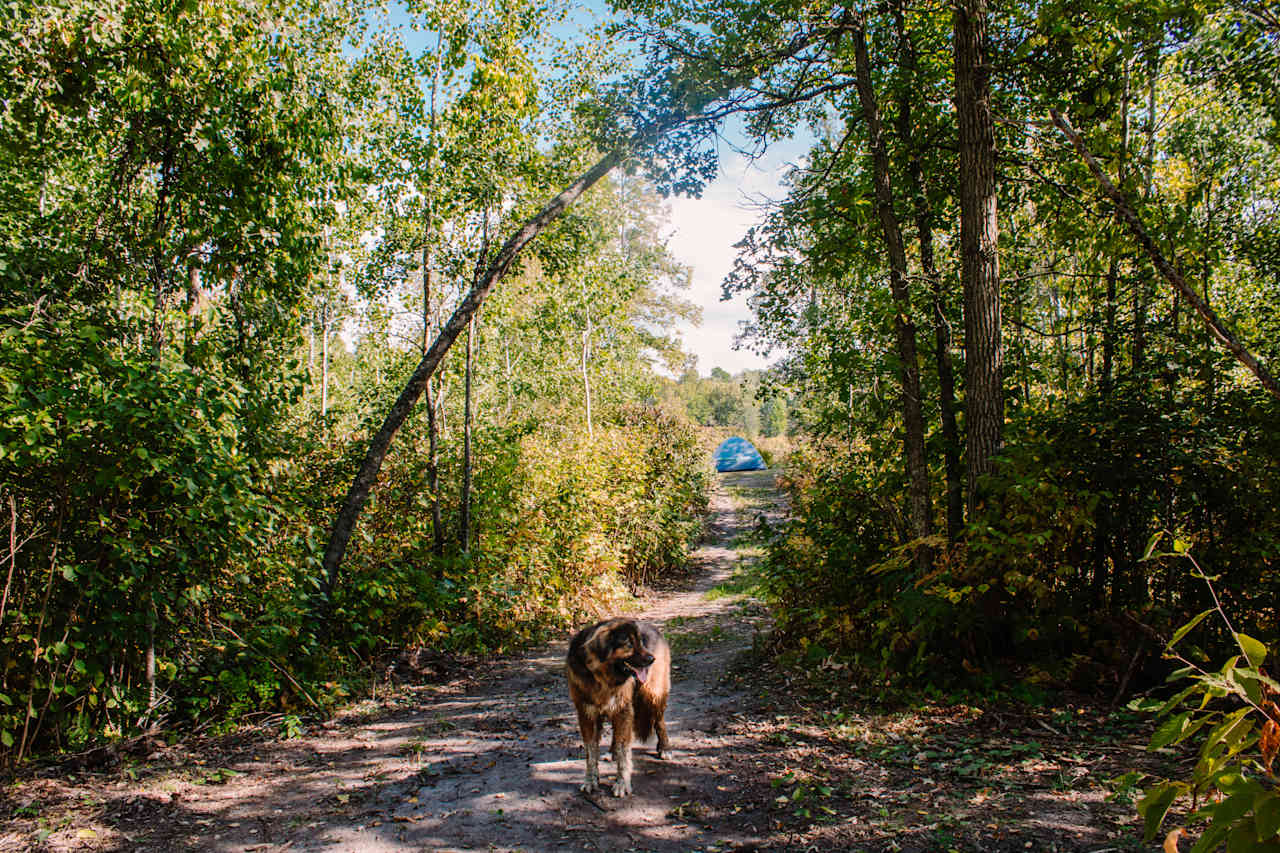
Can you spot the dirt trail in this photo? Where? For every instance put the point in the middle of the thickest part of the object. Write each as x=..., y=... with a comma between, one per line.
x=490, y=762
x=765, y=758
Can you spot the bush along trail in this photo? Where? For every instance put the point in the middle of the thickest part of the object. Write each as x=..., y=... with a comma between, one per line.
x=488, y=757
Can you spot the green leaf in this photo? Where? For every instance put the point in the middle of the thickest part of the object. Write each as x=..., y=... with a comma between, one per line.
x=1155, y=804
x=1151, y=544
x=1213, y=836
x=1255, y=651
x=1266, y=813
x=1185, y=629
x=1169, y=731
x=1161, y=710
x=1233, y=808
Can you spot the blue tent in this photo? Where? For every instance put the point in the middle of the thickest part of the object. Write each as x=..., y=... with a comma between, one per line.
x=738, y=454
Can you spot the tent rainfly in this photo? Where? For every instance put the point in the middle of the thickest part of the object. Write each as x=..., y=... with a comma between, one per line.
x=738, y=454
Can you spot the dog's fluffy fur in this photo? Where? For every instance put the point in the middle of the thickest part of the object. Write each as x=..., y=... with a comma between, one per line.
x=619, y=669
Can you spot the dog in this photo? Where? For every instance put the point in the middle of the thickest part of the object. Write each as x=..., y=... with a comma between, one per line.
x=620, y=669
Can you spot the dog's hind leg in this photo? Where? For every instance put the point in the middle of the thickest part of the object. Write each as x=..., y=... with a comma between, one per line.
x=589, y=725
x=664, y=745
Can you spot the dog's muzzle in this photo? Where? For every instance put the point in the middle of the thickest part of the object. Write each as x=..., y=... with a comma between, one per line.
x=638, y=666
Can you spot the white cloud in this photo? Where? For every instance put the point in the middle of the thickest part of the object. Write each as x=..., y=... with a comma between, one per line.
x=704, y=233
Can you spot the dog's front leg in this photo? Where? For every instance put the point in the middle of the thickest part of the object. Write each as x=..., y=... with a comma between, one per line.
x=589, y=725
x=622, y=734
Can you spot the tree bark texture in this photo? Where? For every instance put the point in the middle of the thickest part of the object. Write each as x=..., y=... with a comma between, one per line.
x=979, y=233
x=1125, y=211
x=904, y=327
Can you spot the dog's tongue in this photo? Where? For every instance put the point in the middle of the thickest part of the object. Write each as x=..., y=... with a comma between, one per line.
x=642, y=673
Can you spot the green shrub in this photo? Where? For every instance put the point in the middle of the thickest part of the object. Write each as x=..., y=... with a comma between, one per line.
x=1231, y=712
x=1048, y=571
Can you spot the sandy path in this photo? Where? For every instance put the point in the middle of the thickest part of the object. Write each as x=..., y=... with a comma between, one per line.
x=493, y=761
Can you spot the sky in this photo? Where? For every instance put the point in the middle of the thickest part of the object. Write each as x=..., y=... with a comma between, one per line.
x=703, y=233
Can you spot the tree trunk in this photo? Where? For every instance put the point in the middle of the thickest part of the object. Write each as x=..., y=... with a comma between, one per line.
x=586, y=378
x=1113, y=268
x=586, y=344
x=979, y=233
x=358, y=493
x=904, y=326
x=433, y=465
x=1127, y=215
x=464, y=516
x=324, y=362
x=433, y=449
x=151, y=657
x=941, y=326
x=1138, y=341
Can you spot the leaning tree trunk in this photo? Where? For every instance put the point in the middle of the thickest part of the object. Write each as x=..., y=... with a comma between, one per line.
x=904, y=325
x=358, y=494
x=692, y=108
x=1125, y=211
x=979, y=232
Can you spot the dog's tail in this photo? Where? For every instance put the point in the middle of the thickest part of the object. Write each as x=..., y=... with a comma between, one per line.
x=643, y=710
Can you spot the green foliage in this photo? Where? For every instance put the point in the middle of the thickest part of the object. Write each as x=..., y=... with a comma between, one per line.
x=133, y=477
x=1231, y=713
x=1046, y=571
x=750, y=403
x=566, y=524
x=195, y=201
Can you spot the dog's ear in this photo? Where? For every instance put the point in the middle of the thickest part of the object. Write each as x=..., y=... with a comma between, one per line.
x=598, y=642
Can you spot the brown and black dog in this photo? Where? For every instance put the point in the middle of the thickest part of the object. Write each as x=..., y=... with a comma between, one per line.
x=620, y=669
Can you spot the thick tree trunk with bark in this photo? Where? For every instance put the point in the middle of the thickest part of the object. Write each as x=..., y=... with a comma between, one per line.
x=1125, y=211
x=904, y=326
x=979, y=233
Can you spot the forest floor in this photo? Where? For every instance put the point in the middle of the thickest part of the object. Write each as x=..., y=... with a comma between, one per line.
x=489, y=758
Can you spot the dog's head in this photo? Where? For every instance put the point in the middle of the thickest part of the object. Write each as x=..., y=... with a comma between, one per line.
x=624, y=654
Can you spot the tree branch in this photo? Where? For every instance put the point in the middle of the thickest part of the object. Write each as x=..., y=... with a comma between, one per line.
x=1129, y=216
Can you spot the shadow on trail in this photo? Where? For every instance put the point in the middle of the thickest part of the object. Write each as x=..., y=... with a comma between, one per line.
x=495, y=764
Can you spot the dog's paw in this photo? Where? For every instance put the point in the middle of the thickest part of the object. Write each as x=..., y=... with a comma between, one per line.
x=622, y=787
x=589, y=787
